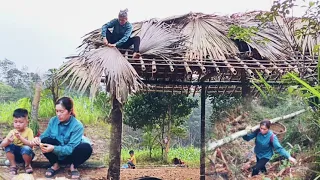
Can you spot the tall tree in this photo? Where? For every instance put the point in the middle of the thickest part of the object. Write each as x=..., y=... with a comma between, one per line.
x=165, y=110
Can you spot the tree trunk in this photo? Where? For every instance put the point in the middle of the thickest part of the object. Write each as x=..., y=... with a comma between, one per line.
x=162, y=138
x=115, y=143
x=150, y=152
x=35, y=102
x=55, y=92
x=168, y=135
x=213, y=145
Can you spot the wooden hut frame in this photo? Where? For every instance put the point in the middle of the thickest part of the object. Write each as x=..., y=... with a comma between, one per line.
x=216, y=66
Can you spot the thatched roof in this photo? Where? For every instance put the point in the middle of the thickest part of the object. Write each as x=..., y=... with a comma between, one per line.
x=207, y=35
x=173, y=48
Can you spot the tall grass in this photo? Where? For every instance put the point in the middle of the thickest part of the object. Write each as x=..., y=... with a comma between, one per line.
x=190, y=155
x=87, y=110
x=6, y=109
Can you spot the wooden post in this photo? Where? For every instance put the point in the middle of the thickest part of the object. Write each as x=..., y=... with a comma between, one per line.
x=245, y=84
x=203, y=128
x=115, y=143
x=36, y=101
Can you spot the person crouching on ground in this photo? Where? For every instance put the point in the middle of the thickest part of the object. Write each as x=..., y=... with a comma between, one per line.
x=264, y=143
x=62, y=142
x=18, y=143
x=132, y=160
x=120, y=36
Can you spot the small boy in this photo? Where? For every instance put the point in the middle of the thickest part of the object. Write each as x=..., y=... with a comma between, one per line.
x=132, y=161
x=17, y=144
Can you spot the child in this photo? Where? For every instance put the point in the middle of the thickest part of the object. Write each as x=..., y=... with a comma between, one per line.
x=178, y=162
x=17, y=144
x=132, y=161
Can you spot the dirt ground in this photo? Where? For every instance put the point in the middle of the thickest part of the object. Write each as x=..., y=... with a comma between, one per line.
x=126, y=174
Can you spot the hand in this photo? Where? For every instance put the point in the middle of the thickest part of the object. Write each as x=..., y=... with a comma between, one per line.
x=18, y=135
x=293, y=160
x=36, y=141
x=10, y=139
x=46, y=148
x=105, y=41
x=111, y=45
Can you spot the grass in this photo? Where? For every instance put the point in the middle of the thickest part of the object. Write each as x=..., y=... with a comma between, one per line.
x=190, y=155
x=87, y=110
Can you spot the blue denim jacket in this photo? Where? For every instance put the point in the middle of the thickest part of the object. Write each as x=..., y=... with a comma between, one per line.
x=120, y=32
x=69, y=134
x=264, y=148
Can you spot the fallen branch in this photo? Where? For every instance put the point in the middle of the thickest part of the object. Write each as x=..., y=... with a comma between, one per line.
x=223, y=159
x=213, y=145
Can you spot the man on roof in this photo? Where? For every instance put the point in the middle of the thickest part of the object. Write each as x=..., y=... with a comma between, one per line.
x=120, y=36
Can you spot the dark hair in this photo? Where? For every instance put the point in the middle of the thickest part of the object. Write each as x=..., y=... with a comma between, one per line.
x=20, y=112
x=266, y=123
x=67, y=103
x=131, y=152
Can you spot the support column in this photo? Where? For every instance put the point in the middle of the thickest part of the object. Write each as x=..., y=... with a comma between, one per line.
x=203, y=129
x=245, y=84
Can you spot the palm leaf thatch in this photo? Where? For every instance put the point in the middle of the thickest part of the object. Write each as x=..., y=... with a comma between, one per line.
x=307, y=40
x=206, y=35
x=270, y=41
x=89, y=69
x=160, y=39
x=95, y=35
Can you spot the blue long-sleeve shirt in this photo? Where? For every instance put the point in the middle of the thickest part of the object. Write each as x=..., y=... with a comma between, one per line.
x=264, y=148
x=69, y=134
x=120, y=32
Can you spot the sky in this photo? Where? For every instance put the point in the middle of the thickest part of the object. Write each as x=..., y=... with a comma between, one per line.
x=40, y=33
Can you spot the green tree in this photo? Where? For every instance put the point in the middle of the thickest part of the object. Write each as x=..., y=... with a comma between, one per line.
x=163, y=113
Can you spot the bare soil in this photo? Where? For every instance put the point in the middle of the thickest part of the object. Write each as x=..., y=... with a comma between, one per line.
x=126, y=174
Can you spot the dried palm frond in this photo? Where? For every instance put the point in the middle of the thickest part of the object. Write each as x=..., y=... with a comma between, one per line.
x=88, y=70
x=160, y=39
x=95, y=35
x=306, y=40
x=270, y=41
x=206, y=35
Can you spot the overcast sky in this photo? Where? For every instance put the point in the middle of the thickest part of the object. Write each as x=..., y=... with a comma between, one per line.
x=40, y=33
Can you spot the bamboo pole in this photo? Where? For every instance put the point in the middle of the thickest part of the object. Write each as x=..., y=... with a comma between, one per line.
x=143, y=67
x=213, y=145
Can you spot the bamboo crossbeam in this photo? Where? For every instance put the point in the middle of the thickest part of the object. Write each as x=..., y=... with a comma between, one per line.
x=154, y=67
x=245, y=67
x=277, y=68
x=294, y=68
x=215, y=144
x=203, y=69
x=231, y=68
x=186, y=66
x=143, y=67
x=263, y=67
x=171, y=66
x=303, y=65
x=215, y=66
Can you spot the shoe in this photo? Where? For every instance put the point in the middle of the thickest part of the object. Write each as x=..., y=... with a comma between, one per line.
x=136, y=55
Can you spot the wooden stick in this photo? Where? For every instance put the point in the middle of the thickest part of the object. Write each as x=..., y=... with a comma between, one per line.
x=214, y=144
x=223, y=159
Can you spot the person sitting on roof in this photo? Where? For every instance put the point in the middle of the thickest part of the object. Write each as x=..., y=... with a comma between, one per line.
x=120, y=36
